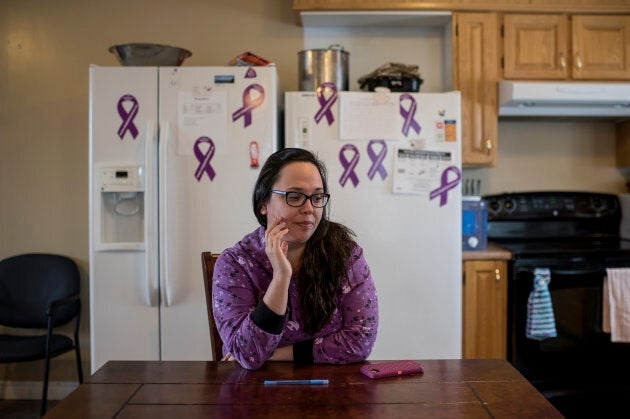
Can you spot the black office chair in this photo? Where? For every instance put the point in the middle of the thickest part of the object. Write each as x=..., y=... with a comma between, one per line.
x=39, y=291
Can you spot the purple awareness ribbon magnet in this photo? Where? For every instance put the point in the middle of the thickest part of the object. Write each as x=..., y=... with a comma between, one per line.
x=127, y=117
x=204, y=158
x=325, y=104
x=249, y=104
x=250, y=73
x=377, y=159
x=409, y=114
x=349, y=165
x=446, y=185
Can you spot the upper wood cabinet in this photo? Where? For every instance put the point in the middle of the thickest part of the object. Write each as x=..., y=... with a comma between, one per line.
x=601, y=47
x=535, y=46
x=525, y=6
x=558, y=47
x=476, y=73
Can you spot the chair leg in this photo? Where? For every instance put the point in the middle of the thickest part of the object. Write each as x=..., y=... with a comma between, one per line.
x=45, y=387
x=79, y=367
x=77, y=348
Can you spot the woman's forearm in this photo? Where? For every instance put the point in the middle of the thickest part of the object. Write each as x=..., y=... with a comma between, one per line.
x=277, y=295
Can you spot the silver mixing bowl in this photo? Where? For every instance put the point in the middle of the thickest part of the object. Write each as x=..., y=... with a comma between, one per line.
x=139, y=54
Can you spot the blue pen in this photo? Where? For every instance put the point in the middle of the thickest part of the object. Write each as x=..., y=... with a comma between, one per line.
x=294, y=382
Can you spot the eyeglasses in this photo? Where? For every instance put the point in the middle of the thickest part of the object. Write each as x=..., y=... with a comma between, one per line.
x=297, y=199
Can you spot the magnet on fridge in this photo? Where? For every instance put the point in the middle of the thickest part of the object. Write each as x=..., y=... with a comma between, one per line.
x=253, y=154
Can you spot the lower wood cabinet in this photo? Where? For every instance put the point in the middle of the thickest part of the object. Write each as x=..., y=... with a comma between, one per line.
x=484, y=309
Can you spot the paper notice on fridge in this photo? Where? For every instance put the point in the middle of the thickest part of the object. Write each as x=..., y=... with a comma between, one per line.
x=202, y=117
x=418, y=171
x=368, y=116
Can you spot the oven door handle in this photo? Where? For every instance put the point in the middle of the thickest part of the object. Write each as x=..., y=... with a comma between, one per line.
x=568, y=271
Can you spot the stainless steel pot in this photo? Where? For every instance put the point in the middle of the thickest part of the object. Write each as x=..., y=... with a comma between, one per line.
x=142, y=54
x=317, y=66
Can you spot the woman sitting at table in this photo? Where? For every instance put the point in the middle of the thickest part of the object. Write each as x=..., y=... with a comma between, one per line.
x=298, y=288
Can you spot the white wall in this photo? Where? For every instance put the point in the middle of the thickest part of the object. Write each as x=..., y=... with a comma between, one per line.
x=553, y=155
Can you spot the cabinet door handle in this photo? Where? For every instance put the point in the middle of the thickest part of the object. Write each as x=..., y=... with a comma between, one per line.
x=578, y=61
x=497, y=275
x=563, y=61
x=489, y=146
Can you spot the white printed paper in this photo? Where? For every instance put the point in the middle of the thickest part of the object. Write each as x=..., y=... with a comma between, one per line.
x=368, y=116
x=202, y=116
x=418, y=171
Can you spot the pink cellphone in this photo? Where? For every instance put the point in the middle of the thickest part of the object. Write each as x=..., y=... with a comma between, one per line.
x=391, y=369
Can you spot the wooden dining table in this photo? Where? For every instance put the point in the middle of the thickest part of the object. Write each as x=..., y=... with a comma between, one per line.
x=454, y=388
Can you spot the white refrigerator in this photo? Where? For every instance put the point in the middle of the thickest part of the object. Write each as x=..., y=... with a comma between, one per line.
x=394, y=163
x=174, y=154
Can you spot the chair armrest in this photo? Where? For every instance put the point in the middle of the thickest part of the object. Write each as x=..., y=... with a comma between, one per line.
x=56, y=304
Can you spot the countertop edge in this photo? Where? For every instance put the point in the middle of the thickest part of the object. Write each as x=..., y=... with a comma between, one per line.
x=492, y=252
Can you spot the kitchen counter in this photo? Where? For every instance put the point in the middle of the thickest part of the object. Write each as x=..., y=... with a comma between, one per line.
x=491, y=252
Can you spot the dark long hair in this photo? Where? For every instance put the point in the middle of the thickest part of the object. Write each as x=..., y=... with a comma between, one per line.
x=327, y=253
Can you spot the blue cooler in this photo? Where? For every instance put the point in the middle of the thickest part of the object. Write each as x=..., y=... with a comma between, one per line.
x=474, y=223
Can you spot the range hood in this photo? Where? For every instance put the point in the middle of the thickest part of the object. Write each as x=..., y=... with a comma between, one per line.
x=564, y=99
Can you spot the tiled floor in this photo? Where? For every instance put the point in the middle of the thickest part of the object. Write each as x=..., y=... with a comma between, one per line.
x=22, y=409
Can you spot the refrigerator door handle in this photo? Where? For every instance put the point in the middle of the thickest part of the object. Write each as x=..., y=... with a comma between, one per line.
x=150, y=214
x=165, y=132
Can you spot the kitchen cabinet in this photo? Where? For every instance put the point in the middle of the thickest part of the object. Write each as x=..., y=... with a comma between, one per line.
x=560, y=46
x=475, y=75
x=559, y=6
x=623, y=144
x=484, y=309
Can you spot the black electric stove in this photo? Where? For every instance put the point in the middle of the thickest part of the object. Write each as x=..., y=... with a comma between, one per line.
x=576, y=236
x=552, y=223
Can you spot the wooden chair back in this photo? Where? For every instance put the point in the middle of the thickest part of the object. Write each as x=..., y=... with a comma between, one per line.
x=208, y=260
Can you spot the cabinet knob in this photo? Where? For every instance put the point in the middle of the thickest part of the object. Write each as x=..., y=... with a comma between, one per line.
x=578, y=61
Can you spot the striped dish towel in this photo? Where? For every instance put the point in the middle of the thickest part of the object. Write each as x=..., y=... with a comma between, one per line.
x=541, y=323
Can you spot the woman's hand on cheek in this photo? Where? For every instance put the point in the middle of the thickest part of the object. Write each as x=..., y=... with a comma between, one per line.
x=276, y=248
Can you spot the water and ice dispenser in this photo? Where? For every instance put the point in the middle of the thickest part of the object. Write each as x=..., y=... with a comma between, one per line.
x=121, y=208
